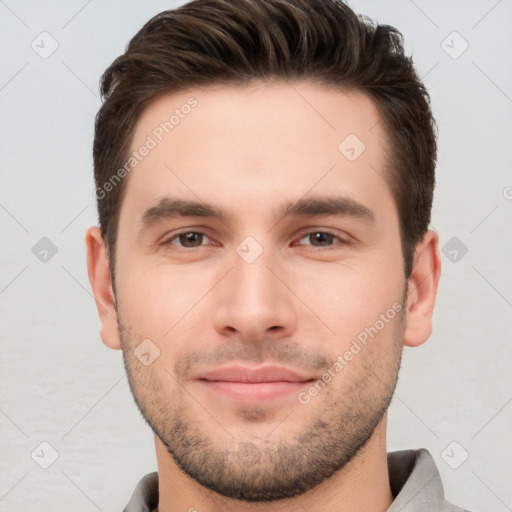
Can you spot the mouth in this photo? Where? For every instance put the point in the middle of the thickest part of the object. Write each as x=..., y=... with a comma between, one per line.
x=254, y=384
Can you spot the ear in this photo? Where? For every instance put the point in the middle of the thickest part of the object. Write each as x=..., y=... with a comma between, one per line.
x=422, y=290
x=101, y=283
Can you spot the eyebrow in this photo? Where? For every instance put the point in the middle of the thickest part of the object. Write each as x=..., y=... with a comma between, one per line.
x=306, y=207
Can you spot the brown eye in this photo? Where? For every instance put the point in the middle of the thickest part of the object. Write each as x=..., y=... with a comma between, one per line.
x=318, y=239
x=189, y=240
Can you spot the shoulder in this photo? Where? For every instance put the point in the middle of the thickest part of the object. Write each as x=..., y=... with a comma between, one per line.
x=145, y=495
x=416, y=483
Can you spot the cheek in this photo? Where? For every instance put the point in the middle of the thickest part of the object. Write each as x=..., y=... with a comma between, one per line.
x=158, y=299
x=349, y=298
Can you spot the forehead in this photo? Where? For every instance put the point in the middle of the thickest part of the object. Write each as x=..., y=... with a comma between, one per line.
x=262, y=141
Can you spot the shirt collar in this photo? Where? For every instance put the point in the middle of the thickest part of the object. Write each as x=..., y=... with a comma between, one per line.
x=414, y=479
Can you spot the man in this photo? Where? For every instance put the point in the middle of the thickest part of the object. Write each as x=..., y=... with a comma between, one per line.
x=264, y=174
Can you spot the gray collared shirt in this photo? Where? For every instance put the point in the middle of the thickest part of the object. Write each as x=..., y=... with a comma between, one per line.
x=413, y=477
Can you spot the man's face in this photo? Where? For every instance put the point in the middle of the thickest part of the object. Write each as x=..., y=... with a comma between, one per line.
x=268, y=286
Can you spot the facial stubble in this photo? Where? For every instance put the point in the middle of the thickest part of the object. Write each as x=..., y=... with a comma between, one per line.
x=270, y=469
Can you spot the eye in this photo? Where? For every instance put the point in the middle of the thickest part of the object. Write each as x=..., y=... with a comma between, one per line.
x=188, y=239
x=320, y=239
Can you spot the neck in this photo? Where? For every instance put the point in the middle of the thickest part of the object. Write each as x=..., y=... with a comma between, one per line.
x=362, y=486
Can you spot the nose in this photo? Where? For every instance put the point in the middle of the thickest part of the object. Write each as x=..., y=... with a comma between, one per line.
x=253, y=303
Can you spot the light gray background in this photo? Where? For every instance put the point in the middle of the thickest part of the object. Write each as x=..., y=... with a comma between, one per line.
x=62, y=386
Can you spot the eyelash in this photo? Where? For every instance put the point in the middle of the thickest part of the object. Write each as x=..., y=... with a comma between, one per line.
x=340, y=240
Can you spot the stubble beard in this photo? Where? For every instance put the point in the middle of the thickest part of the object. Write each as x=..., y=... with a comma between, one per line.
x=270, y=469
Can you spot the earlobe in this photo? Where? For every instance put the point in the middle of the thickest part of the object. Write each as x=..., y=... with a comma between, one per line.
x=422, y=290
x=101, y=283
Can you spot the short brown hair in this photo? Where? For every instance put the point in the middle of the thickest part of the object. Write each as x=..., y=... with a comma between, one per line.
x=236, y=42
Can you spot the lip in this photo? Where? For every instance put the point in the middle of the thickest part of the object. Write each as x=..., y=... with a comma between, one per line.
x=253, y=375
x=254, y=384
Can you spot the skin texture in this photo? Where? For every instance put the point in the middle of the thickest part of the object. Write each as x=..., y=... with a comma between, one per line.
x=300, y=303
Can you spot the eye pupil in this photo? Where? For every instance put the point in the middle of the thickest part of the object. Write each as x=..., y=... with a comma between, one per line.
x=191, y=239
x=322, y=238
